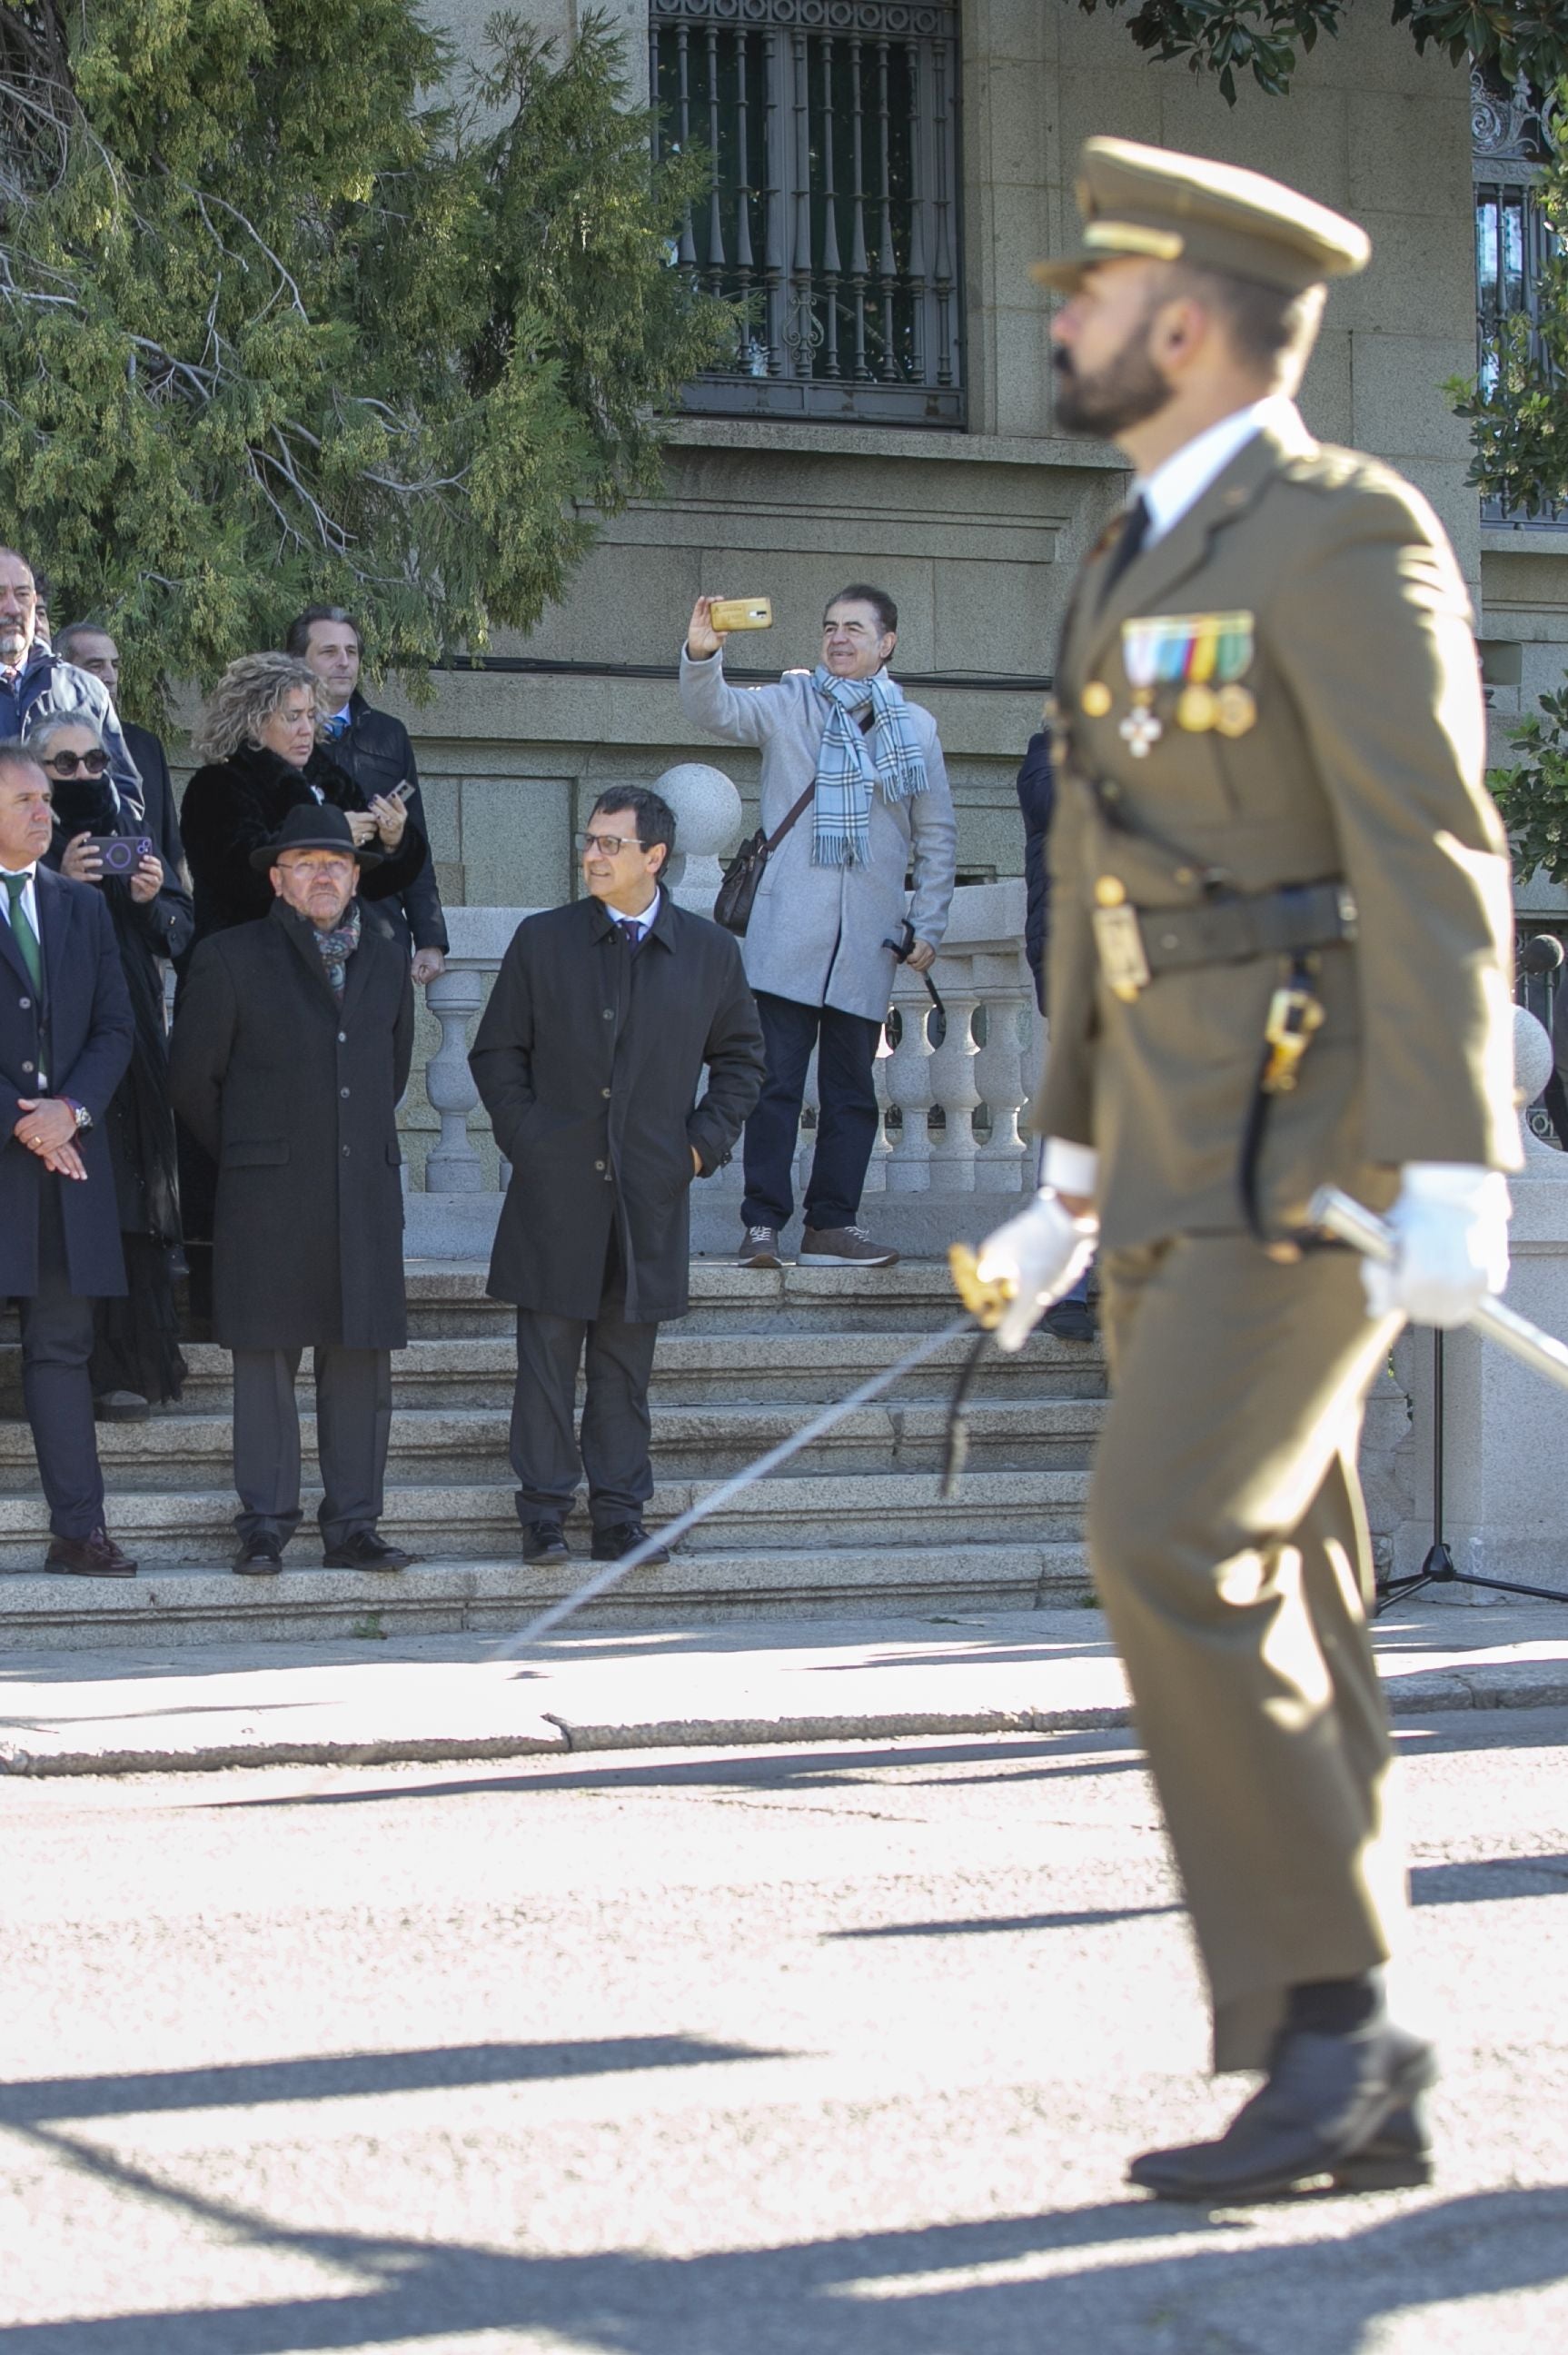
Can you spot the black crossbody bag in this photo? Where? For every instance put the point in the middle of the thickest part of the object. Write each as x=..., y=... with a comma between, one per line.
x=743, y=877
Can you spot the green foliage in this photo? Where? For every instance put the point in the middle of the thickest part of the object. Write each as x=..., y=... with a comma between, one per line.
x=1533, y=798
x=1267, y=38
x=287, y=315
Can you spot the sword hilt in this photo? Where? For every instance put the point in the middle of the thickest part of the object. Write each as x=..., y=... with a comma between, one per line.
x=987, y=1298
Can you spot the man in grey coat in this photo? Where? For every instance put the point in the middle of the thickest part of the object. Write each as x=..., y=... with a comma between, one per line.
x=859, y=776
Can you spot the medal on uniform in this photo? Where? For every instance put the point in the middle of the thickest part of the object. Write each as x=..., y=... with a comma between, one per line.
x=1142, y=729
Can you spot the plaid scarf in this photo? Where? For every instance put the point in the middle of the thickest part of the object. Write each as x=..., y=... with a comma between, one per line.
x=338, y=945
x=852, y=759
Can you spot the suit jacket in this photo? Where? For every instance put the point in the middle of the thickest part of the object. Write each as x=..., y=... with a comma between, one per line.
x=1037, y=800
x=817, y=932
x=1365, y=763
x=378, y=754
x=294, y=1095
x=80, y=1037
x=589, y=1060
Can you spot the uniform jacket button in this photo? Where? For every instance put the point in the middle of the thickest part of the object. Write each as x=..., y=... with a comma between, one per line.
x=346, y=1152
x=343, y=1091
x=27, y=1068
x=604, y=1092
x=599, y=1165
x=609, y=1014
x=343, y=1037
x=25, y=1004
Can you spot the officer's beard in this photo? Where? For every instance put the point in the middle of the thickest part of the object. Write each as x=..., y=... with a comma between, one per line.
x=1124, y=391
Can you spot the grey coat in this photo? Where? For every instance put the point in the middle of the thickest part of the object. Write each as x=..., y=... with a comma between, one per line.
x=817, y=932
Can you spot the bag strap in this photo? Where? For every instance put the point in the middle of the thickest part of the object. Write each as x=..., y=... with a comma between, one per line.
x=774, y=839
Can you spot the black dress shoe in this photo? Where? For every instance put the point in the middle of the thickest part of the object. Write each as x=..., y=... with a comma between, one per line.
x=1070, y=1320
x=1336, y=2107
x=260, y=1556
x=544, y=1540
x=97, y=1556
x=365, y=1550
x=618, y=1539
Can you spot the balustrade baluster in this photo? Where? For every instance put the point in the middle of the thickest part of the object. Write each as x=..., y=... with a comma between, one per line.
x=858, y=271
x=918, y=201
x=744, y=263
x=1000, y=1073
x=909, y=1085
x=774, y=197
x=805, y=1140
x=802, y=327
x=942, y=148
x=877, y=1167
x=715, y=210
x=952, y=1080
x=830, y=265
x=453, y=1166
x=887, y=261
x=683, y=88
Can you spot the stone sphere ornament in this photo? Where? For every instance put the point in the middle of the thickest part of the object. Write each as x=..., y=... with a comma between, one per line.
x=1533, y=1062
x=706, y=808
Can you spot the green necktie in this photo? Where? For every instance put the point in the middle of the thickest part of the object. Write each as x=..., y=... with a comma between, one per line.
x=26, y=938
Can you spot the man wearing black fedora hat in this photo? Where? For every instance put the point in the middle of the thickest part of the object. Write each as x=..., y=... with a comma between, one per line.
x=290, y=1052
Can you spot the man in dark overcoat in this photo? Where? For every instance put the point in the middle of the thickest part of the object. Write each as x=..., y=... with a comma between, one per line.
x=291, y=1048
x=65, y=1040
x=588, y=1058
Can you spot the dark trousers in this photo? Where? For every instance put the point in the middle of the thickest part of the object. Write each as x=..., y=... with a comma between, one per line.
x=615, y=1452
x=845, y=1119
x=57, y=1345
x=354, y=1425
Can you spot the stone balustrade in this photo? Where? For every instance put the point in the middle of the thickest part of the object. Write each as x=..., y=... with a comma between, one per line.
x=950, y=1142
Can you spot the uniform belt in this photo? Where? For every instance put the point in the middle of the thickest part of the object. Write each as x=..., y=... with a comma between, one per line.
x=1137, y=944
x=1265, y=923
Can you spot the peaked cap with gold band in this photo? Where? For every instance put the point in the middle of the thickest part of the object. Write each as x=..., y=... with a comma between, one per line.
x=1151, y=202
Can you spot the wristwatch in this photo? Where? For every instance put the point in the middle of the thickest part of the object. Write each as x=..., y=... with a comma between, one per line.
x=83, y=1116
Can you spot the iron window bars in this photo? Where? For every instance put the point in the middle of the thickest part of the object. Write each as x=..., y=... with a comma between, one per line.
x=831, y=212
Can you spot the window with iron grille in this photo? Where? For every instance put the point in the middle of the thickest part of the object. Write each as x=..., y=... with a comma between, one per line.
x=1510, y=132
x=830, y=132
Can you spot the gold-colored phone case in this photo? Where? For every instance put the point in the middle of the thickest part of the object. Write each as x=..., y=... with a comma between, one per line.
x=742, y=613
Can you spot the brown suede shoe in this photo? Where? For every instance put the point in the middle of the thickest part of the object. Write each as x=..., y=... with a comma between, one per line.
x=94, y=1557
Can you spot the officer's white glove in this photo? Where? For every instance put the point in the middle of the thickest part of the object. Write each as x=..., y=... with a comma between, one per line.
x=1450, y=1224
x=1042, y=1254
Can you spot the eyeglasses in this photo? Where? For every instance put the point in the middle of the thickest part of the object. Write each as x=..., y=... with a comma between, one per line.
x=67, y=764
x=612, y=845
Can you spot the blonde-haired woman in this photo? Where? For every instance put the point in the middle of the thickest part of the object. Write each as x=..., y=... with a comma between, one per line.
x=257, y=739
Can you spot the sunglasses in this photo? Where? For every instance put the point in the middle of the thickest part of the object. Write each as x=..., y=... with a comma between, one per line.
x=67, y=764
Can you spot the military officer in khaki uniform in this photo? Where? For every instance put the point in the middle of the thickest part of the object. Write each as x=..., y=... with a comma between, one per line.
x=1280, y=957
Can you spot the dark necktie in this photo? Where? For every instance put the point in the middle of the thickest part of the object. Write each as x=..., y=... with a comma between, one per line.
x=632, y=929
x=1128, y=544
x=336, y=728
x=22, y=931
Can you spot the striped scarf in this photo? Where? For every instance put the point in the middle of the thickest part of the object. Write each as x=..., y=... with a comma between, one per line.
x=853, y=759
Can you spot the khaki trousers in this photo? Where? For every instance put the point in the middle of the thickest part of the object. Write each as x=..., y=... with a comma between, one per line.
x=1230, y=1548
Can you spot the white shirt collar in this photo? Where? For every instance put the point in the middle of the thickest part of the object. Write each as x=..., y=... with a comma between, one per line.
x=28, y=872
x=649, y=913
x=1180, y=482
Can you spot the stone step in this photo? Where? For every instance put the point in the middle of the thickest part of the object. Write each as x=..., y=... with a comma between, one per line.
x=448, y=1299
x=470, y=1444
x=474, y=1521
x=172, y=1606
x=690, y=1370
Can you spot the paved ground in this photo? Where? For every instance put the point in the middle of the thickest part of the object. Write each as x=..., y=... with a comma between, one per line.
x=831, y=2051
x=446, y=1697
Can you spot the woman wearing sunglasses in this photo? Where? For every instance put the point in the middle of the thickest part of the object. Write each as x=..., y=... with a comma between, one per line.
x=137, y=1360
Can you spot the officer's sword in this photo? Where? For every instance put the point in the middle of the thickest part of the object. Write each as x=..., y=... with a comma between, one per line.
x=984, y=1304
x=1355, y=1225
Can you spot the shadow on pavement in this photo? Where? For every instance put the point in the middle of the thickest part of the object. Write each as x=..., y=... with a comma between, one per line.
x=338, y=2076
x=879, y=2294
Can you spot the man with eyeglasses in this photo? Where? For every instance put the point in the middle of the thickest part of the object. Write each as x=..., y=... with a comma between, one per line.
x=854, y=796
x=35, y=682
x=589, y=1059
